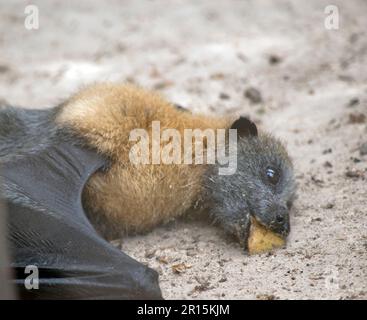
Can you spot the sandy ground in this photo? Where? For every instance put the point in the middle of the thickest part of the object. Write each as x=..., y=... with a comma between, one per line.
x=204, y=55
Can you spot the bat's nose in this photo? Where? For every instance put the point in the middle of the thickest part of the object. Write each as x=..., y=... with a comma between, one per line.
x=281, y=224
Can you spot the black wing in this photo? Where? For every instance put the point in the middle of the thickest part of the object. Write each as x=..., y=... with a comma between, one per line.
x=48, y=228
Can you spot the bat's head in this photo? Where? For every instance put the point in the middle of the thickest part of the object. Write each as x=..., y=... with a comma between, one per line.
x=262, y=188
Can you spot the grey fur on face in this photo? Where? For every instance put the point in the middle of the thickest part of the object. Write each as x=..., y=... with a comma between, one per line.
x=263, y=187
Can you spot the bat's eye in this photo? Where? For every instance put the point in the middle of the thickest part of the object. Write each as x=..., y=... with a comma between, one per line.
x=273, y=175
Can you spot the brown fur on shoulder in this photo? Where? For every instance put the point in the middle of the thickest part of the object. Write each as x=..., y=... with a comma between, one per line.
x=134, y=198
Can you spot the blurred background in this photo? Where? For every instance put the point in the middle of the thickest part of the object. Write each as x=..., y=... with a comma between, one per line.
x=276, y=61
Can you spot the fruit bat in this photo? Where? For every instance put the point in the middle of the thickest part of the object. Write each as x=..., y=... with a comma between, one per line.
x=48, y=157
x=48, y=228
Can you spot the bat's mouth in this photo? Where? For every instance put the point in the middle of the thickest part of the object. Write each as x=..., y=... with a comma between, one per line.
x=280, y=229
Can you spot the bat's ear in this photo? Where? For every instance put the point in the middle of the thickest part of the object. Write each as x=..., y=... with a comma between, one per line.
x=245, y=127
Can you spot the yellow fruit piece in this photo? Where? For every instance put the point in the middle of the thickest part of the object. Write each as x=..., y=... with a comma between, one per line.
x=262, y=240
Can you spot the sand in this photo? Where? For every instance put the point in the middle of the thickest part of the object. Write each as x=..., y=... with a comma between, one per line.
x=204, y=55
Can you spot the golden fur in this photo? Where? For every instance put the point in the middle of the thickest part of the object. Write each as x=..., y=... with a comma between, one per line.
x=134, y=197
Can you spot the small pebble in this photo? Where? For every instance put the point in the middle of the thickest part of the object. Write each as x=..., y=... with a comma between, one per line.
x=353, y=102
x=4, y=68
x=224, y=96
x=327, y=164
x=326, y=151
x=354, y=174
x=328, y=206
x=253, y=95
x=274, y=59
x=150, y=253
x=357, y=118
x=363, y=149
